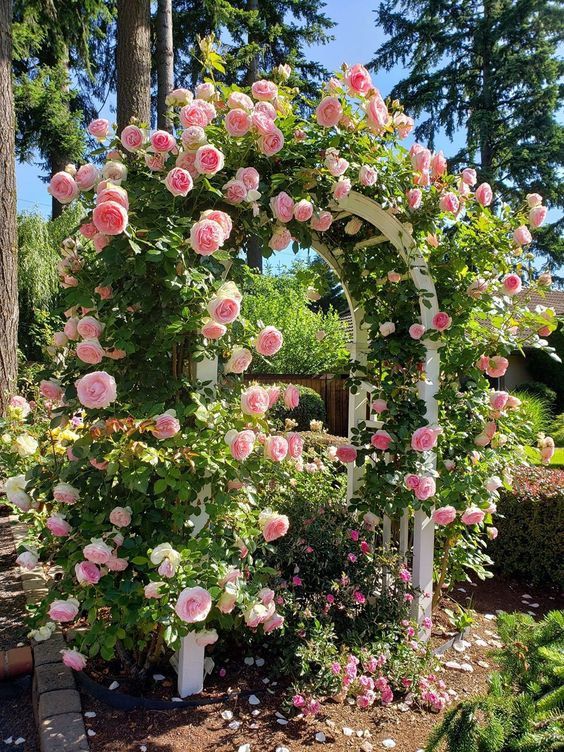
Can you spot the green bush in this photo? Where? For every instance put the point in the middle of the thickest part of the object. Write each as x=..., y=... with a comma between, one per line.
x=311, y=407
x=534, y=415
x=538, y=389
x=557, y=430
x=531, y=527
x=549, y=371
x=319, y=440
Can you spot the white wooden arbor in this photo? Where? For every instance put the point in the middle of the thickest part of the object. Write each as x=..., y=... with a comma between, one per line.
x=389, y=230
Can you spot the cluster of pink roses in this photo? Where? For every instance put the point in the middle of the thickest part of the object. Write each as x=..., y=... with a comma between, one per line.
x=537, y=215
x=210, y=232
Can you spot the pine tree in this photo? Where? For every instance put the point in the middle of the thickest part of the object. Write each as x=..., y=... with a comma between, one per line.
x=489, y=69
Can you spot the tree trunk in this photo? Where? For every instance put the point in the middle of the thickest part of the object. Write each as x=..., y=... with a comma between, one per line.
x=133, y=61
x=8, y=216
x=165, y=61
x=486, y=129
x=254, y=252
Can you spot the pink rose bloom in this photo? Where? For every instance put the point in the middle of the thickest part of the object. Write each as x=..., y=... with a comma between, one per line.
x=227, y=600
x=110, y=218
x=273, y=394
x=198, y=112
x=441, y=321
x=497, y=366
x=492, y=533
x=273, y=525
x=424, y=438
x=90, y=351
x=237, y=123
x=414, y=198
x=269, y=341
x=377, y=113
x=132, y=138
x=291, y=397
x=522, y=236
x=87, y=176
x=87, y=573
x=235, y=191
x=254, y=401
x=263, y=123
x=163, y=141
x=321, y=222
x=498, y=400
x=166, y=425
x=64, y=493
x=88, y=230
x=534, y=199
x=205, y=91
x=242, y=444
x=482, y=440
x=114, y=171
x=358, y=79
x=105, y=292
x=239, y=361
x=89, y=328
x=425, y=488
x=271, y=143
x=438, y=165
x=387, y=328
x=473, y=516
x=264, y=90
x=381, y=440
x=249, y=176
x=346, y=453
x=404, y=124
x=411, y=481
x=341, y=189
x=282, y=206
x=193, y=604
x=275, y=448
x=58, y=526
x=213, y=330
x=224, y=310
x=152, y=590
x=449, y=202
x=275, y=622
x=63, y=187
x=379, y=406
x=547, y=453
x=512, y=284
x=73, y=659
x=156, y=162
x=265, y=108
x=420, y=158
x=367, y=175
x=484, y=194
x=303, y=210
x=60, y=610
x=51, y=390
x=27, y=560
x=96, y=390
x=537, y=215
x=513, y=402
x=469, y=176
x=117, y=564
x=206, y=237
x=416, y=331
x=444, y=515
x=100, y=241
x=99, y=128
x=209, y=160
x=295, y=445
x=329, y=112
x=120, y=516
x=97, y=552
x=193, y=137
x=179, y=182
x=239, y=99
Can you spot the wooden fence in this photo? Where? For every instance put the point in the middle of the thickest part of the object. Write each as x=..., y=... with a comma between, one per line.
x=332, y=389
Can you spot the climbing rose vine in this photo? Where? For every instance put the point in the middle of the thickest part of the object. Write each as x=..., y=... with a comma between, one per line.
x=138, y=476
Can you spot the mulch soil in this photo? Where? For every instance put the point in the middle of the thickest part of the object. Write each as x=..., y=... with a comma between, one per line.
x=16, y=712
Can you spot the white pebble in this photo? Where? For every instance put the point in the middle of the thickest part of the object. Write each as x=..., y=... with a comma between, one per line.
x=114, y=685
x=266, y=680
x=177, y=699
x=227, y=715
x=461, y=590
x=481, y=643
x=282, y=749
x=490, y=617
x=534, y=605
x=453, y=664
x=320, y=737
x=483, y=664
x=9, y=740
x=19, y=740
x=467, y=668
x=20, y=644
x=388, y=743
x=249, y=661
x=143, y=748
x=527, y=596
x=254, y=700
x=259, y=662
x=253, y=725
x=279, y=715
x=244, y=748
x=159, y=677
x=254, y=713
x=234, y=725
x=282, y=721
x=348, y=731
x=90, y=732
x=90, y=714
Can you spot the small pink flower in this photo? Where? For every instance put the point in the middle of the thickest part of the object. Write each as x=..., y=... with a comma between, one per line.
x=522, y=236
x=193, y=605
x=387, y=328
x=473, y=515
x=416, y=331
x=303, y=210
x=99, y=128
x=73, y=659
x=179, y=182
x=381, y=440
x=61, y=610
x=166, y=425
x=444, y=515
x=96, y=389
x=132, y=138
x=414, y=198
x=291, y=397
x=512, y=284
x=346, y=453
x=469, y=176
x=492, y=532
x=359, y=597
x=358, y=79
x=367, y=175
x=237, y=123
x=537, y=215
x=58, y=526
x=441, y=321
x=273, y=525
x=321, y=222
x=110, y=218
x=163, y=141
x=264, y=90
x=425, y=438
x=239, y=361
x=449, y=202
x=484, y=194
x=87, y=573
x=275, y=448
x=206, y=237
x=269, y=341
x=271, y=143
x=255, y=400
x=329, y=112
x=63, y=187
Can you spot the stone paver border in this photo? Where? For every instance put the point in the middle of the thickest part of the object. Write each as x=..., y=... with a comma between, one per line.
x=56, y=701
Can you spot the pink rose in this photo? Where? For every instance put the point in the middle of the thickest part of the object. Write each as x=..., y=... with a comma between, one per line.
x=264, y=90
x=99, y=128
x=58, y=526
x=512, y=284
x=193, y=604
x=420, y=158
x=205, y=91
x=152, y=590
x=269, y=341
x=88, y=230
x=73, y=659
x=193, y=137
x=132, y=138
x=166, y=425
x=105, y=292
x=110, y=218
x=492, y=532
x=295, y=445
x=522, y=236
x=213, y=330
x=237, y=123
x=114, y=171
x=64, y=493
x=254, y=400
x=547, y=453
x=156, y=162
x=163, y=142
x=275, y=448
x=346, y=453
x=51, y=390
x=235, y=191
x=249, y=176
x=394, y=277
x=90, y=351
x=274, y=622
x=60, y=610
x=27, y=560
x=206, y=237
x=273, y=394
x=282, y=206
x=341, y=189
x=224, y=310
x=379, y=406
x=321, y=222
x=273, y=525
x=537, y=215
x=198, y=112
x=96, y=390
x=444, y=515
x=87, y=573
x=280, y=239
x=242, y=444
x=291, y=397
x=377, y=113
x=239, y=99
x=239, y=361
x=303, y=210
x=116, y=564
x=424, y=438
x=179, y=182
x=473, y=516
x=63, y=187
x=367, y=175
x=498, y=400
x=87, y=176
x=484, y=194
x=534, y=199
x=469, y=176
x=262, y=122
x=496, y=366
x=329, y=112
x=381, y=440
x=387, y=328
x=438, y=165
x=441, y=321
x=100, y=241
x=97, y=552
x=265, y=108
x=414, y=198
x=271, y=143
x=404, y=124
x=425, y=488
x=209, y=160
x=416, y=331
x=227, y=600
x=89, y=328
x=449, y=202
x=358, y=79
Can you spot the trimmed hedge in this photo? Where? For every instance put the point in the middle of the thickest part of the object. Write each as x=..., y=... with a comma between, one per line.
x=530, y=521
x=311, y=407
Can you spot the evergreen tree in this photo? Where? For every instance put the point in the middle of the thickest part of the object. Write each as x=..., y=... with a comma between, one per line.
x=489, y=68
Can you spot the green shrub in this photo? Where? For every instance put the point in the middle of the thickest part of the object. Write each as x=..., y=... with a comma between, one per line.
x=556, y=430
x=544, y=368
x=538, y=389
x=534, y=415
x=319, y=440
x=311, y=407
x=531, y=527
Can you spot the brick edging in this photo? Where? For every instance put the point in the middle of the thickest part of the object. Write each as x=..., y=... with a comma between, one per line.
x=56, y=701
